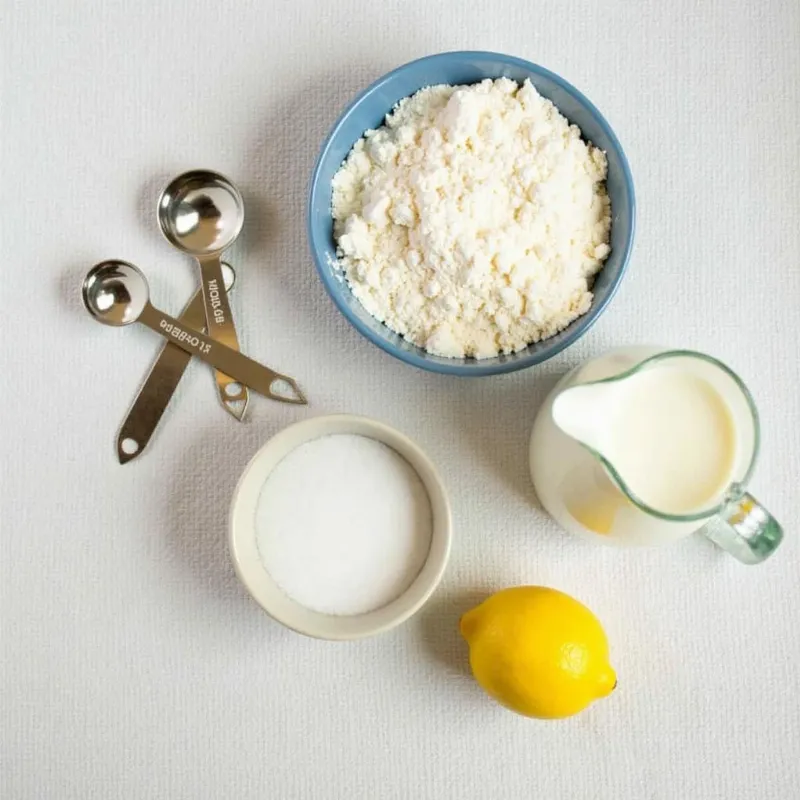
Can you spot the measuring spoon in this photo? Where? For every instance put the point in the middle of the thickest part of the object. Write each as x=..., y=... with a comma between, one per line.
x=202, y=213
x=116, y=293
x=161, y=382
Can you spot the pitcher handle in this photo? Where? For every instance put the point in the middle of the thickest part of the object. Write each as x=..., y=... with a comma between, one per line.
x=745, y=529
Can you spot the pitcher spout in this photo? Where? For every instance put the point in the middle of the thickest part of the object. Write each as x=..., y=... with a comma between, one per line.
x=582, y=412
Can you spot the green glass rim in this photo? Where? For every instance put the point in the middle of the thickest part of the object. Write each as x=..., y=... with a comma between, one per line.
x=735, y=490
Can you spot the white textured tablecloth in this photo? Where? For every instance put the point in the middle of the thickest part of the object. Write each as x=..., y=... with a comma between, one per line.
x=133, y=663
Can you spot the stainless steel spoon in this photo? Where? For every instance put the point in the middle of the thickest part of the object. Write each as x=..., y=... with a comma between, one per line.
x=202, y=213
x=161, y=382
x=116, y=293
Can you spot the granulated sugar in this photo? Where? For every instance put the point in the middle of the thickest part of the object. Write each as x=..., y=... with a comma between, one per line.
x=344, y=524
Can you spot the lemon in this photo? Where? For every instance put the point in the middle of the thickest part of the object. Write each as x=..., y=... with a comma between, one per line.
x=538, y=651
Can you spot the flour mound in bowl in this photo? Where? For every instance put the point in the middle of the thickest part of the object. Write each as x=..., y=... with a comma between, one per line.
x=474, y=220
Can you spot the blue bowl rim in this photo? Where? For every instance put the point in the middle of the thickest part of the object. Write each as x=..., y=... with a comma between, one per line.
x=478, y=367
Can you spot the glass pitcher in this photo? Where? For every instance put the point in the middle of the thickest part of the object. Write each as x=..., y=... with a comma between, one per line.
x=582, y=488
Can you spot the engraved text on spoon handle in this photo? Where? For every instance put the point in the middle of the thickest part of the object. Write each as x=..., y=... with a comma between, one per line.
x=241, y=368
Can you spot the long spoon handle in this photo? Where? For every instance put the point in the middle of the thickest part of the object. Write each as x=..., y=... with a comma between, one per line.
x=158, y=386
x=242, y=369
x=220, y=327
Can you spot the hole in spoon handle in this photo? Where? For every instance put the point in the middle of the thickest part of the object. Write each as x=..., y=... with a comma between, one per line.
x=127, y=449
x=232, y=389
x=129, y=446
x=286, y=390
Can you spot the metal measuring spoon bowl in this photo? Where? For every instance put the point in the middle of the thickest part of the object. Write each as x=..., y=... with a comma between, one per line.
x=201, y=212
x=115, y=293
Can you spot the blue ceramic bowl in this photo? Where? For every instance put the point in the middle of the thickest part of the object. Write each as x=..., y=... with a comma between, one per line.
x=368, y=111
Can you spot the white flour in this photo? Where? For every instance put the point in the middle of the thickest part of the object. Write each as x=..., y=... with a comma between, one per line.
x=473, y=221
x=344, y=525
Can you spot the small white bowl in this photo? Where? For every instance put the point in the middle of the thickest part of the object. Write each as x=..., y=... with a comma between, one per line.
x=250, y=568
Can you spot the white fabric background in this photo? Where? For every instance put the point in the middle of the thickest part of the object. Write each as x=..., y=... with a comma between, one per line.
x=133, y=664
